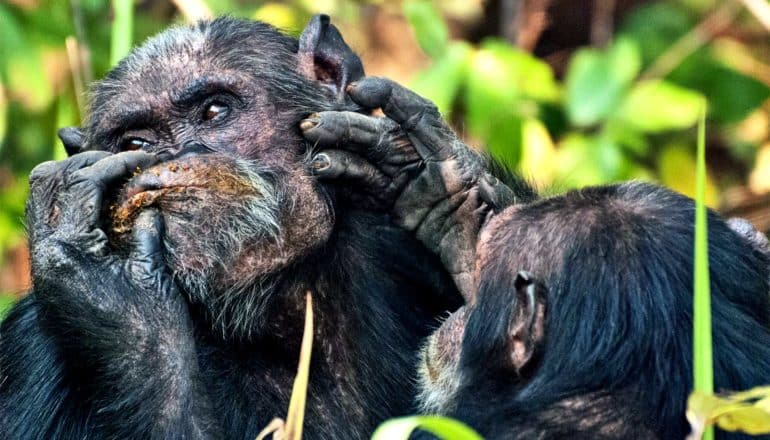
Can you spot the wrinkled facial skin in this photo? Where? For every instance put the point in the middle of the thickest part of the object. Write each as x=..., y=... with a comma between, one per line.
x=235, y=193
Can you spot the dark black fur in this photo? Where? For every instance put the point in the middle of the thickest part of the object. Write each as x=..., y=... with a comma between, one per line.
x=617, y=356
x=66, y=374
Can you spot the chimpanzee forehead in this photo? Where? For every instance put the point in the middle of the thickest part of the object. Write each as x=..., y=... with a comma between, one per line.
x=180, y=55
x=246, y=58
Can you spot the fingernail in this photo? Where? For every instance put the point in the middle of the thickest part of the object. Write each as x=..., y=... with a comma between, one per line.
x=307, y=124
x=351, y=86
x=320, y=162
x=311, y=121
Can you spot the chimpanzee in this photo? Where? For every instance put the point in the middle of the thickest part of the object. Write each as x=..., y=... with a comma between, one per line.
x=578, y=321
x=171, y=255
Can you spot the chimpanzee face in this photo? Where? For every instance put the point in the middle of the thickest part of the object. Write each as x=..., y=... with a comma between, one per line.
x=221, y=102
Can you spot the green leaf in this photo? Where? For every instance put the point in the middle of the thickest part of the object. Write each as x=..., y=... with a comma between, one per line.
x=27, y=80
x=505, y=86
x=597, y=81
x=538, y=154
x=626, y=136
x=441, y=82
x=703, y=369
x=657, y=106
x=731, y=95
x=442, y=427
x=676, y=169
x=6, y=302
x=589, y=160
x=428, y=26
x=513, y=69
x=654, y=28
x=504, y=140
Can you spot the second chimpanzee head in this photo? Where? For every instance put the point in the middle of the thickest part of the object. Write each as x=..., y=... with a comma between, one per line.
x=594, y=341
x=221, y=101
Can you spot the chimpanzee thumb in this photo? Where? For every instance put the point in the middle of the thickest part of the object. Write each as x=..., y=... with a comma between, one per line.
x=146, y=259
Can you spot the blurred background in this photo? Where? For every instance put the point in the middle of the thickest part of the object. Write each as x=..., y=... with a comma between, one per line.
x=568, y=92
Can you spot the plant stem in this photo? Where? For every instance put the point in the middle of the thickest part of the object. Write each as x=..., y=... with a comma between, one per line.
x=122, y=30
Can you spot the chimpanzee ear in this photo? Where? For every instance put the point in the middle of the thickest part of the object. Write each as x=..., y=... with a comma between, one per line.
x=527, y=326
x=73, y=140
x=325, y=57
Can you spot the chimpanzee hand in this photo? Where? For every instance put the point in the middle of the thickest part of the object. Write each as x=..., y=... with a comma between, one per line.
x=74, y=269
x=120, y=319
x=412, y=163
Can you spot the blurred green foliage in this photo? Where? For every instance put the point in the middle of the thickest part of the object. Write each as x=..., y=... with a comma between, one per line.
x=611, y=114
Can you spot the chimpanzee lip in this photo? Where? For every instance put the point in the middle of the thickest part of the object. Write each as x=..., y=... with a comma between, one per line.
x=206, y=173
x=137, y=198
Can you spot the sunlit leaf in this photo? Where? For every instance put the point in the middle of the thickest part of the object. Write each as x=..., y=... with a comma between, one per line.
x=428, y=26
x=732, y=95
x=656, y=106
x=441, y=82
x=676, y=169
x=520, y=72
x=504, y=140
x=278, y=14
x=589, y=160
x=759, y=179
x=597, y=81
x=504, y=86
x=27, y=80
x=747, y=411
x=441, y=427
x=626, y=136
x=538, y=154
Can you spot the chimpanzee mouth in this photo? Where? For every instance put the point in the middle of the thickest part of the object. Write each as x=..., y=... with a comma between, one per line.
x=177, y=180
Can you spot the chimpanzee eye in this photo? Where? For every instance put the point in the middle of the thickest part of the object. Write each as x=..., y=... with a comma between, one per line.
x=135, y=143
x=215, y=111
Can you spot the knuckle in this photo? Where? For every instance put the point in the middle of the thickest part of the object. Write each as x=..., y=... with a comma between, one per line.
x=43, y=171
x=49, y=257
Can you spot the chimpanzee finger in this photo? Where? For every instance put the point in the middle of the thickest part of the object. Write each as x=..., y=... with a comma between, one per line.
x=372, y=137
x=51, y=168
x=339, y=164
x=418, y=116
x=46, y=181
x=85, y=193
x=145, y=261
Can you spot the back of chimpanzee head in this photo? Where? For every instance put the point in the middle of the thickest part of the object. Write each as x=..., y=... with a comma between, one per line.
x=614, y=357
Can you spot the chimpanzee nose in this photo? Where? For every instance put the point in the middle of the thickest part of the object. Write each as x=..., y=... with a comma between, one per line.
x=192, y=148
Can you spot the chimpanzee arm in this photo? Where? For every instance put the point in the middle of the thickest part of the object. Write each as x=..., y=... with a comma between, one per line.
x=120, y=325
x=412, y=162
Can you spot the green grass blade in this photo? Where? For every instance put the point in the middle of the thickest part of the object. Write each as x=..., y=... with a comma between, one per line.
x=441, y=427
x=122, y=30
x=702, y=344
